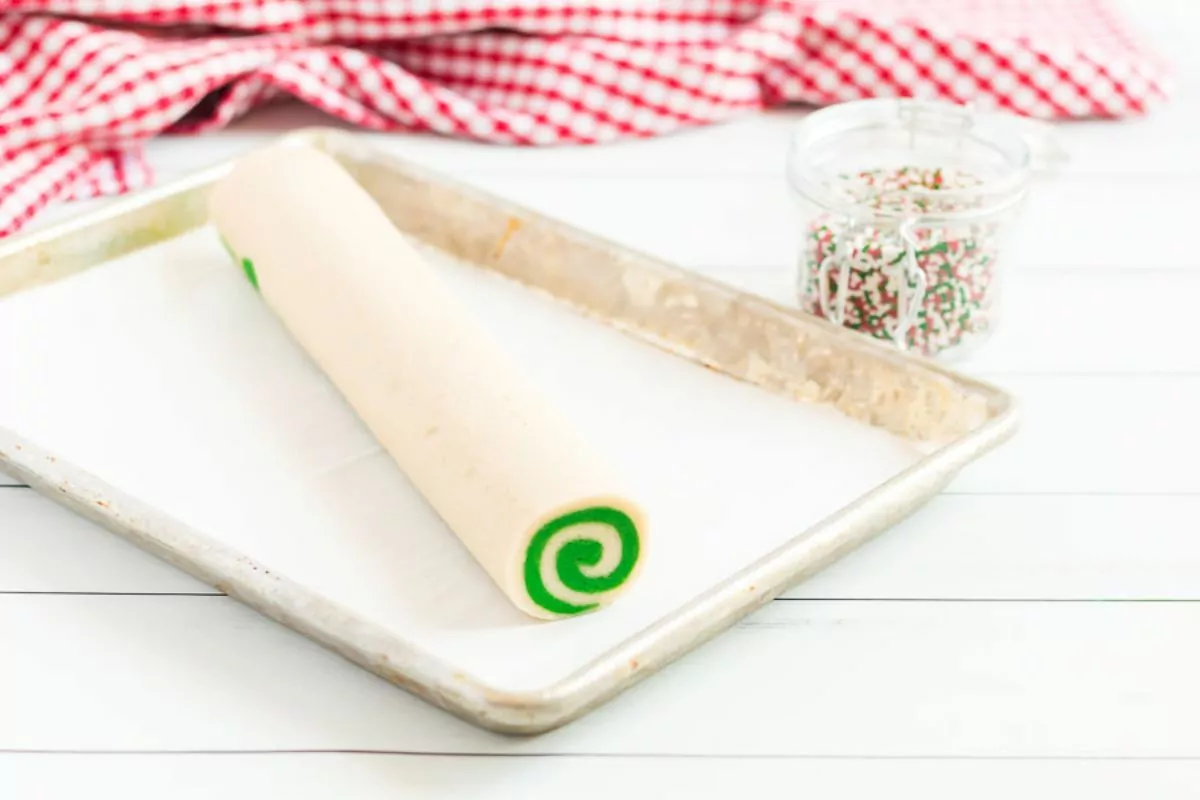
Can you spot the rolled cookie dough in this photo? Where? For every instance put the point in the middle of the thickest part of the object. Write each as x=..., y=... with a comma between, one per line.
x=535, y=506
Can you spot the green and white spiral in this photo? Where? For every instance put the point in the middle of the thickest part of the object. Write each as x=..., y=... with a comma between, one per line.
x=589, y=551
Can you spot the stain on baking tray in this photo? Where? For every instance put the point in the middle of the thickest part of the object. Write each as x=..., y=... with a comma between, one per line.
x=513, y=226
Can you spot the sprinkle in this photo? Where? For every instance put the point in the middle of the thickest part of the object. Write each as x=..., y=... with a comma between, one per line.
x=957, y=259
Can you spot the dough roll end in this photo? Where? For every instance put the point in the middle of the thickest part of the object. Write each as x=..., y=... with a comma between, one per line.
x=578, y=559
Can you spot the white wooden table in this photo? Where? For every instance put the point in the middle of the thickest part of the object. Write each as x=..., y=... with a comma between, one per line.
x=1034, y=629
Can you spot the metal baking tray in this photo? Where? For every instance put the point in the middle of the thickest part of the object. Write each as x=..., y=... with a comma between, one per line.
x=834, y=397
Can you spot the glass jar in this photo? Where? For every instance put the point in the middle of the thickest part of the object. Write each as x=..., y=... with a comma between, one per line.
x=906, y=205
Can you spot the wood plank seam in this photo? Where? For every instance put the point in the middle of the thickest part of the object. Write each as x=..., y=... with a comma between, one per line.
x=601, y=756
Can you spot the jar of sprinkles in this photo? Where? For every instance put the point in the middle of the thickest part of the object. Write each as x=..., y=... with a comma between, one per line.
x=905, y=205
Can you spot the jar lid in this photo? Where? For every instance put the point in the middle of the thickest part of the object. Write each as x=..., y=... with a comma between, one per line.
x=863, y=135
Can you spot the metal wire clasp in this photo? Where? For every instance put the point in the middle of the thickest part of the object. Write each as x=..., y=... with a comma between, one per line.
x=836, y=316
x=911, y=280
x=909, y=301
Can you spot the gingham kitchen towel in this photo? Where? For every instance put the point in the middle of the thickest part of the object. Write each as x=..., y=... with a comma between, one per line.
x=83, y=83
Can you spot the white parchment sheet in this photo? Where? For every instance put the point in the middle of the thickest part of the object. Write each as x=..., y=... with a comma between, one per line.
x=163, y=374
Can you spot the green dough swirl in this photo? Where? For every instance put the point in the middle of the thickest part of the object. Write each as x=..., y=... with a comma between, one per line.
x=247, y=264
x=579, y=553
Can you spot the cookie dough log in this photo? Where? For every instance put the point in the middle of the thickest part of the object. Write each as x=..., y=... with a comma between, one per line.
x=532, y=502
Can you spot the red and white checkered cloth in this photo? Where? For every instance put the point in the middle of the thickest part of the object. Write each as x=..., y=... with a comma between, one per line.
x=84, y=82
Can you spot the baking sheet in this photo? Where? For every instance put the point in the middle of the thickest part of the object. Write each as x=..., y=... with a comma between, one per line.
x=164, y=374
x=162, y=377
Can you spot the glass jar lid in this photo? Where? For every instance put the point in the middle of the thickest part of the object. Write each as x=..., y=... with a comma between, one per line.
x=970, y=164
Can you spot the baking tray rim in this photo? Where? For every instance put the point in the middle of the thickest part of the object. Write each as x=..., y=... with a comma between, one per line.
x=406, y=666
